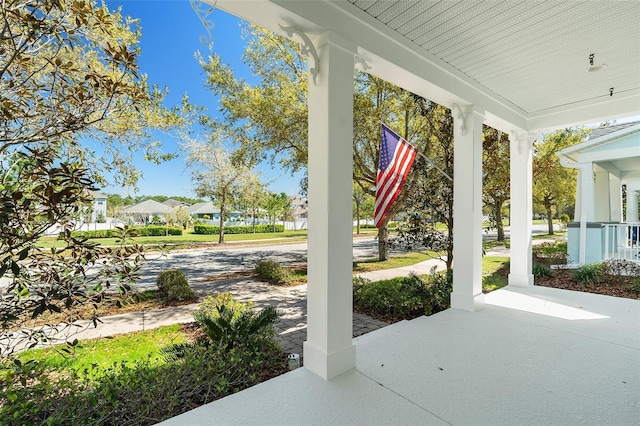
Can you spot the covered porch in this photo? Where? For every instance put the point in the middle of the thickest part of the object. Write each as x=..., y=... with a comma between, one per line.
x=521, y=355
x=530, y=356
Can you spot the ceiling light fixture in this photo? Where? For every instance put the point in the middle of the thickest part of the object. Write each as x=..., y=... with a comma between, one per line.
x=594, y=68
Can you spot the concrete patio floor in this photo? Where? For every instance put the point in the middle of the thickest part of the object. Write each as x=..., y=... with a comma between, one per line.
x=531, y=356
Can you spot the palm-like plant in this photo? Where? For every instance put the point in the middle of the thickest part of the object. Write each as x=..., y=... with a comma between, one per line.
x=230, y=329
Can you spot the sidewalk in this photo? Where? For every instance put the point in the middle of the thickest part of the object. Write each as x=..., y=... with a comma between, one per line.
x=290, y=301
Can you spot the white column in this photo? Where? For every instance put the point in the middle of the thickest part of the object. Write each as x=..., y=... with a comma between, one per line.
x=587, y=188
x=521, y=153
x=329, y=350
x=615, y=191
x=585, y=176
x=632, y=205
x=601, y=197
x=467, y=209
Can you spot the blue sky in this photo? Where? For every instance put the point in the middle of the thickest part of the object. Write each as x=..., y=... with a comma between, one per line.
x=171, y=34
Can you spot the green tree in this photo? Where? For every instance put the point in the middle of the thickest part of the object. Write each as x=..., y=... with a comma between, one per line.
x=277, y=205
x=496, y=175
x=215, y=175
x=363, y=205
x=269, y=119
x=252, y=196
x=554, y=184
x=68, y=76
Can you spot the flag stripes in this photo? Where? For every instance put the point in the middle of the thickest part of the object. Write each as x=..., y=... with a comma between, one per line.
x=395, y=161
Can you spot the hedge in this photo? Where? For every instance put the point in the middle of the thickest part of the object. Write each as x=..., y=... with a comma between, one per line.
x=259, y=229
x=140, y=231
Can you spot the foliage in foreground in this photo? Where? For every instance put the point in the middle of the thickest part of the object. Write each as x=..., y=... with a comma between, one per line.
x=145, y=392
x=403, y=297
x=68, y=73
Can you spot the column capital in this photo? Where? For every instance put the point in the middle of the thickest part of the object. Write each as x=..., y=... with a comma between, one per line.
x=463, y=114
x=522, y=139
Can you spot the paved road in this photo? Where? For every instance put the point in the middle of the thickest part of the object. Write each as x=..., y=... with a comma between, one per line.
x=198, y=264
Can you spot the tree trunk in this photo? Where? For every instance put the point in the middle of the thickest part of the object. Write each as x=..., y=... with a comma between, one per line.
x=383, y=241
x=547, y=206
x=357, y=218
x=498, y=215
x=221, y=223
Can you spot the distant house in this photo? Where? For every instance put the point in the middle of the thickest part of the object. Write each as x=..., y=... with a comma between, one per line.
x=99, y=207
x=299, y=207
x=144, y=211
x=175, y=203
x=207, y=208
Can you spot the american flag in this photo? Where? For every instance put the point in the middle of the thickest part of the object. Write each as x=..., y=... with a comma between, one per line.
x=396, y=158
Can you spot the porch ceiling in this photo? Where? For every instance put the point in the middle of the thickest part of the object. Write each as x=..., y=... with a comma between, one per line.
x=535, y=54
x=524, y=62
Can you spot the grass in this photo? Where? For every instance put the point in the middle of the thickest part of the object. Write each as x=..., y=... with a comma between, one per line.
x=106, y=351
x=398, y=261
x=188, y=239
x=491, y=278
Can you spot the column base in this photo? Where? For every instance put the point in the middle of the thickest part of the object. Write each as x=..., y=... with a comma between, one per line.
x=328, y=365
x=521, y=280
x=467, y=302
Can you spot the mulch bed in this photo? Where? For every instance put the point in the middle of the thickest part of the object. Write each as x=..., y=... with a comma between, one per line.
x=610, y=285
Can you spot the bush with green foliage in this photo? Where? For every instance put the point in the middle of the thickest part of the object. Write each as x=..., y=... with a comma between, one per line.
x=215, y=230
x=589, y=274
x=138, y=231
x=174, y=287
x=272, y=271
x=550, y=253
x=231, y=324
x=540, y=270
x=403, y=297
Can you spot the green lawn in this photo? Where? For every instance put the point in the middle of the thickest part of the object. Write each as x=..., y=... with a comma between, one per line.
x=397, y=261
x=188, y=239
x=491, y=280
x=106, y=351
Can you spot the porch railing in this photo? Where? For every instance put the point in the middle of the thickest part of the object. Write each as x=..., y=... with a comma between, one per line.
x=622, y=241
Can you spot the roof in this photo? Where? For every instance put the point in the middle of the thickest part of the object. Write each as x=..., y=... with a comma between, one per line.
x=206, y=207
x=602, y=131
x=523, y=63
x=617, y=151
x=174, y=203
x=148, y=207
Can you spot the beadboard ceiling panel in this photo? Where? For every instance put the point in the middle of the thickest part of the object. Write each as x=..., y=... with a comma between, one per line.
x=535, y=54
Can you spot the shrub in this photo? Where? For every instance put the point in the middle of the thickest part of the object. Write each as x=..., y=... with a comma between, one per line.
x=620, y=267
x=403, y=297
x=395, y=299
x=439, y=292
x=550, y=253
x=231, y=324
x=540, y=270
x=215, y=230
x=139, y=231
x=588, y=274
x=208, y=308
x=173, y=286
x=273, y=272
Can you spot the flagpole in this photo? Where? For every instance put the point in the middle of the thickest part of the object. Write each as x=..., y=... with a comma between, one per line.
x=428, y=160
